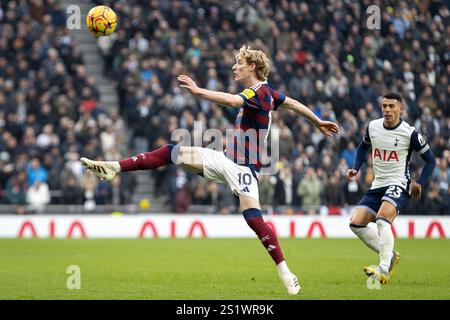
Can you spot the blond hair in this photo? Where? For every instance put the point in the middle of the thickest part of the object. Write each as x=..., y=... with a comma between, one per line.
x=257, y=57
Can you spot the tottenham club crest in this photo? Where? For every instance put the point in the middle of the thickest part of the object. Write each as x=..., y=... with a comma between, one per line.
x=396, y=142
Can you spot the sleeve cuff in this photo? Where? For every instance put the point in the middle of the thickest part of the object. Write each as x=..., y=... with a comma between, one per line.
x=242, y=96
x=424, y=149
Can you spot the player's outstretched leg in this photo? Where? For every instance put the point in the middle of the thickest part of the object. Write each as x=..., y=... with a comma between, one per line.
x=269, y=240
x=106, y=170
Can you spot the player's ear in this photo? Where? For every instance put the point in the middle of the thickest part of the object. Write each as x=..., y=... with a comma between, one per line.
x=252, y=67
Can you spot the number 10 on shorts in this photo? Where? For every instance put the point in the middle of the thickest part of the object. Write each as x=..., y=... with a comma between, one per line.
x=245, y=178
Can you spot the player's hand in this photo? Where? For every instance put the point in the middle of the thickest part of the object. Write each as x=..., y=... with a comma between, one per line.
x=188, y=83
x=328, y=127
x=351, y=173
x=416, y=190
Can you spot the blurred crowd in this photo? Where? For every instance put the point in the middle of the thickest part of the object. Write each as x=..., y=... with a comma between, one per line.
x=323, y=53
x=49, y=114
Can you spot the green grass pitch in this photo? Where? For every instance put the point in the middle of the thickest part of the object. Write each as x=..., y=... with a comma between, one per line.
x=215, y=269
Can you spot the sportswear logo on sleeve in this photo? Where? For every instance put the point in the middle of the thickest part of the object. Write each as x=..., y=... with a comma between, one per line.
x=421, y=139
x=248, y=93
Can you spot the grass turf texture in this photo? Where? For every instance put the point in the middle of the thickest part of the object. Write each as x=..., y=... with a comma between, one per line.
x=215, y=269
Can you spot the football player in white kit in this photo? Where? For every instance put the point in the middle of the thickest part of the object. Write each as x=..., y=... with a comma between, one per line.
x=392, y=141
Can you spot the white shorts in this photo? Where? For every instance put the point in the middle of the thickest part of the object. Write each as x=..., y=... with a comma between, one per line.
x=217, y=167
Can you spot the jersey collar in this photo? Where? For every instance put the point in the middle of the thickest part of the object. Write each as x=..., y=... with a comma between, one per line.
x=257, y=85
x=393, y=128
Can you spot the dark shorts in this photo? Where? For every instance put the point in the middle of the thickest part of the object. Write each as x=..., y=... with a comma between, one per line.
x=372, y=199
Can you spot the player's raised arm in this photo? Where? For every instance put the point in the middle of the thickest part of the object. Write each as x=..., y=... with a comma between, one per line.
x=360, y=156
x=326, y=127
x=221, y=98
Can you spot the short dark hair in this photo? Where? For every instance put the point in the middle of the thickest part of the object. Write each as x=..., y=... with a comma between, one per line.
x=393, y=95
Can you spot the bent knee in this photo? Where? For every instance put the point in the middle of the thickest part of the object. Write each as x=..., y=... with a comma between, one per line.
x=248, y=202
x=356, y=220
x=190, y=157
x=361, y=217
x=355, y=227
x=184, y=153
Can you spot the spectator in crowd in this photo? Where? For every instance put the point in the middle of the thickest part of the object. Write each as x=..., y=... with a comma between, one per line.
x=349, y=153
x=310, y=189
x=433, y=204
x=127, y=186
x=88, y=187
x=71, y=191
x=38, y=196
x=183, y=199
x=441, y=176
x=35, y=171
x=283, y=187
x=267, y=190
x=103, y=192
x=200, y=195
x=353, y=190
x=332, y=192
x=16, y=190
x=47, y=138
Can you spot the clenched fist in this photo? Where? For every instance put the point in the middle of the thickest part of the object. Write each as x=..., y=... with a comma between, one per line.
x=351, y=173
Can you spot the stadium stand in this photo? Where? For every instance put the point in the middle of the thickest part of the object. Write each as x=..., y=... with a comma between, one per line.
x=322, y=54
x=50, y=115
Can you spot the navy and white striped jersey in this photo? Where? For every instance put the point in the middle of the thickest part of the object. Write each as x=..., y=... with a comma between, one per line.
x=252, y=125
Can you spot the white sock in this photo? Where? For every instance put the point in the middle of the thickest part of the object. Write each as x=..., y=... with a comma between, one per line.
x=367, y=235
x=386, y=243
x=283, y=268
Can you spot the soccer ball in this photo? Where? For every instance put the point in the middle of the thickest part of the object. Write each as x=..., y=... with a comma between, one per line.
x=101, y=21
